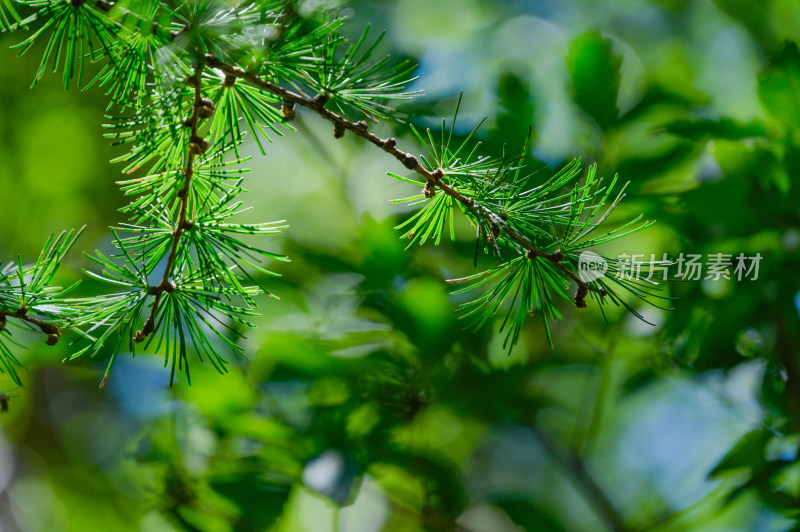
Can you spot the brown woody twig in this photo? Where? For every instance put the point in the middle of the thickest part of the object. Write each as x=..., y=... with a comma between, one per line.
x=432, y=178
x=52, y=331
x=197, y=145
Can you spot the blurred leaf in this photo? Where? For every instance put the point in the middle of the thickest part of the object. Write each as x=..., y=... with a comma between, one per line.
x=747, y=453
x=595, y=72
x=260, y=501
x=724, y=128
x=517, y=110
x=779, y=86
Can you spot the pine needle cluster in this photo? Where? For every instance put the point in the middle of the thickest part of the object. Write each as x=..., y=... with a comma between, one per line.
x=186, y=83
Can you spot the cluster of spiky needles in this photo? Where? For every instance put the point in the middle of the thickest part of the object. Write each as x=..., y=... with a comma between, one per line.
x=52, y=331
x=434, y=178
x=195, y=78
x=196, y=145
x=29, y=300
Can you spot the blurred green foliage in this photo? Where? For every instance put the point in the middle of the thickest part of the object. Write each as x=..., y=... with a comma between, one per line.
x=364, y=404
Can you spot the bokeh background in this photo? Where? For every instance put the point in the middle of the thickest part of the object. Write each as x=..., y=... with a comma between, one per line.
x=365, y=405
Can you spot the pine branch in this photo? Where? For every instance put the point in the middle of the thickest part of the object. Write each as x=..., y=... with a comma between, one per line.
x=197, y=145
x=155, y=65
x=52, y=331
x=28, y=295
x=432, y=178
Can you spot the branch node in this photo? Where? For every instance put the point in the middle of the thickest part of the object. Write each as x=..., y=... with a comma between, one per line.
x=410, y=162
x=556, y=257
x=429, y=190
x=205, y=108
x=288, y=111
x=362, y=125
x=320, y=100
x=145, y=331
x=580, y=296
x=48, y=328
x=198, y=145
x=52, y=339
x=338, y=131
x=438, y=174
x=389, y=144
x=229, y=81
